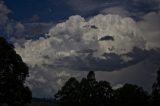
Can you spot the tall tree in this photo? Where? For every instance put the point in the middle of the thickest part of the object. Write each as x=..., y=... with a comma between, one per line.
x=131, y=95
x=104, y=95
x=156, y=90
x=13, y=73
x=87, y=90
x=69, y=94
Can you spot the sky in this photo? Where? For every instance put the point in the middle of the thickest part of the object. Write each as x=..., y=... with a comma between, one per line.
x=59, y=39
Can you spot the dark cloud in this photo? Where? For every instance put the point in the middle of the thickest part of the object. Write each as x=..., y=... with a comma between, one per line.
x=45, y=81
x=109, y=62
x=90, y=26
x=91, y=7
x=89, y=51
x=106, y=38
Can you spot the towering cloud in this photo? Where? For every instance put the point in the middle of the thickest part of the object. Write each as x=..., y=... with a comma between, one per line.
x=75, y=45
x=76, y=34
x=119, y=40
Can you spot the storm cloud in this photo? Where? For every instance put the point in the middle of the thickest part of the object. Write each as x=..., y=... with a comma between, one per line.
x=118, y=40
x=73, y=49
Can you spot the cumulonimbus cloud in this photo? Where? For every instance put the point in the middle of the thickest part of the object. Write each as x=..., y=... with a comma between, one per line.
x=107, y=43
x=75, y=45
x=66, y=38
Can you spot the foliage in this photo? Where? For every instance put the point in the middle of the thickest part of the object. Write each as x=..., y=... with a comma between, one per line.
x=87, y=92
x=13, y=73
x=131, y=95
x=155, y=99
x=69, y=92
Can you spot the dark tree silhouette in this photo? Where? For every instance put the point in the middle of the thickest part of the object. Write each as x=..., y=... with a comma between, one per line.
x=13, y=72
x=69, y=94
x=103, y=94
x=131, y=95
x=91, y=76
x=156, y=91
x=87, y=89
x=88, y=92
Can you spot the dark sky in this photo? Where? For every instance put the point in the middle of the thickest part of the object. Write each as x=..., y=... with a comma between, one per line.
x=47, y=10
x=54, y=10
x=59, y=39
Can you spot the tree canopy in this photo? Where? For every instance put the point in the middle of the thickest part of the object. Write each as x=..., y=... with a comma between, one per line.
x=13, y=73
x=89, y=92
x=131, y=95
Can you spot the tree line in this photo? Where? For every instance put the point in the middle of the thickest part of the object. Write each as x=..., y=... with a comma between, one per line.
x=87, y=92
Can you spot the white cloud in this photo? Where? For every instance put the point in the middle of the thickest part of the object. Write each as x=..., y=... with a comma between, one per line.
x=77, y=34
x=125, y=31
